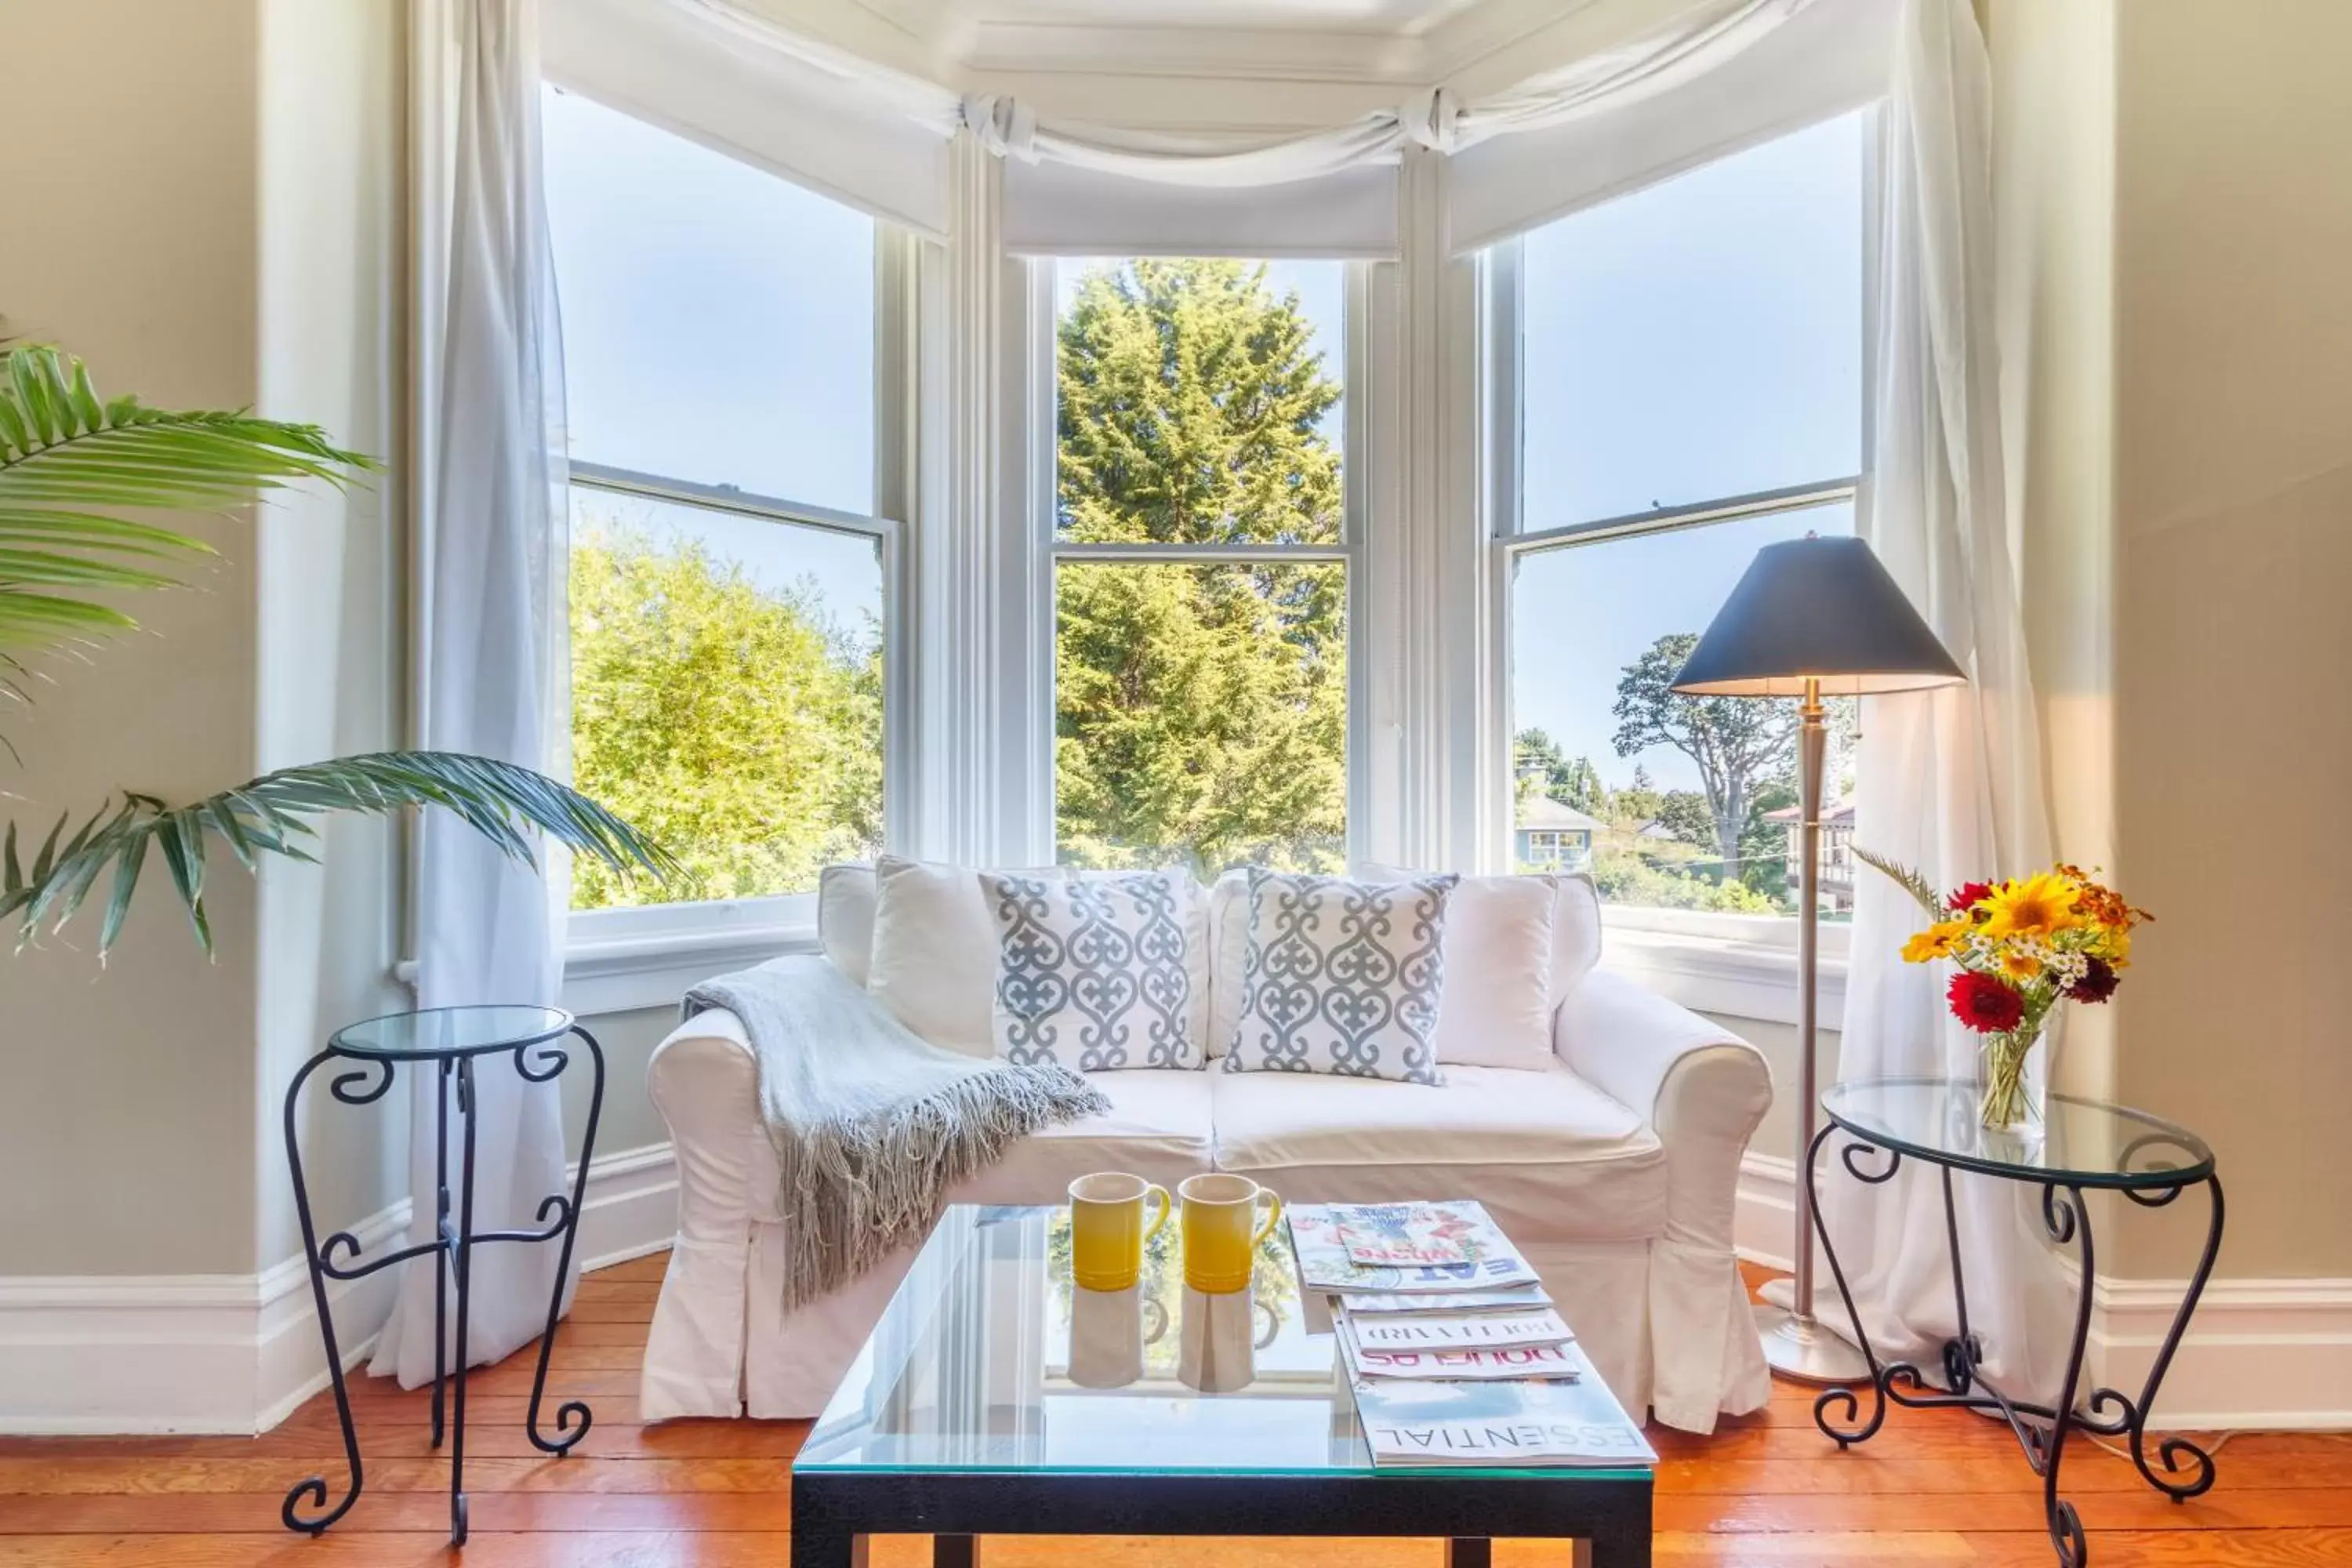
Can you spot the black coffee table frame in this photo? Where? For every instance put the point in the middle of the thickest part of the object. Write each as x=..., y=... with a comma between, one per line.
x=538, y=1057
x=1607, y=1516
x=2174, y=1165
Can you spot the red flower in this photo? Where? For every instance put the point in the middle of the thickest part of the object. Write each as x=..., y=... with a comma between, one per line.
x=1984, y=1003
x=1970, y=895
x=2098, y=981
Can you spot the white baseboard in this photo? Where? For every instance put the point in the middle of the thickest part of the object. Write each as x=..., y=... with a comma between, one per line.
x=631, y=1205
x=238, y=1352
x=2268, y=1354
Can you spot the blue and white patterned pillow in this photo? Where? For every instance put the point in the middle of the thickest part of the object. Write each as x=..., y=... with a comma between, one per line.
x=1341, y=977
x=1096, y=972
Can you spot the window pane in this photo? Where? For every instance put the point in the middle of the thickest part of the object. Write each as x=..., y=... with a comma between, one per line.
x=717, y=321
x=1200, y=401
x=1699, y=337
x=726, y=693
x=1202, y=715
x=1668, y=801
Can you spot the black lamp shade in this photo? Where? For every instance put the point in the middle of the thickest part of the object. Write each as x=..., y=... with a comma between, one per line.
x=1816, y=609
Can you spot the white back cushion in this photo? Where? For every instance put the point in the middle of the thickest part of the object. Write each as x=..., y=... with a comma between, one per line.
x=844, y=917
x=1228, y=955
x=934, y=955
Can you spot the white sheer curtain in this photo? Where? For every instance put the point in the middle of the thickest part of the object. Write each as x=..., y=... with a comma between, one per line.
x=1949, y=781
x=492, y=511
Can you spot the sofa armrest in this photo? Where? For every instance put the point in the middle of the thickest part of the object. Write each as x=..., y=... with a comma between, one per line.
x=1702, y=1089
x=704, y=1081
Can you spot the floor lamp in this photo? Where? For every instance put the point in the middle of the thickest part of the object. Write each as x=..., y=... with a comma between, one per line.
x=1812, y=618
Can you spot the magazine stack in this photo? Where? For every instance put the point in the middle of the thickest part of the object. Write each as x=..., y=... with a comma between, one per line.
x=1455, y=1352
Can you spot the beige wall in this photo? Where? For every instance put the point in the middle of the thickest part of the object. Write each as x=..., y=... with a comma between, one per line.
x=127, y=1126
x=2174, y=194
x=2234, y=535
x=223, y=233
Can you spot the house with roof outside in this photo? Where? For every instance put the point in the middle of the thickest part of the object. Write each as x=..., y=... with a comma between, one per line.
x=1836, y=885
x=1552, y=836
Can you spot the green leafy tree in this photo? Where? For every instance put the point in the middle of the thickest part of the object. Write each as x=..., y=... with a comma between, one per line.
x=1685, y=814
x=736, y=722
x=1734, y=742
x=1201, y=709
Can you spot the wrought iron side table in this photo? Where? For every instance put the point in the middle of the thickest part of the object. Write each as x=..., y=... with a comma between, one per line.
x=452, y=1040
x=2083, y=1145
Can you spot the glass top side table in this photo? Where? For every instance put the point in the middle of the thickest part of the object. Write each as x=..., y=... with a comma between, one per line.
x=2082, y=1145
x=450, y=1042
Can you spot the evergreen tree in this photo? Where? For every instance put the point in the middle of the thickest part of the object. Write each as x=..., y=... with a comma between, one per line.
x=1201, y=709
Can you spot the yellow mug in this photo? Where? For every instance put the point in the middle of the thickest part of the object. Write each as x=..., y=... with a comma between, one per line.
x=1108, y=1230
x=1221, y=1229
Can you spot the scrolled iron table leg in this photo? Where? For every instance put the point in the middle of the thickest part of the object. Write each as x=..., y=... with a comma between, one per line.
x=2133, y=1417
x=1842, y=1429
x=573, y=1418
x=313, y=1491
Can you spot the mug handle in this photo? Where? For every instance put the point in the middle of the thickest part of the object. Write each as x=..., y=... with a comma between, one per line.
x=1272, y=1214
x=1165, y=1204
x=1155, y=1319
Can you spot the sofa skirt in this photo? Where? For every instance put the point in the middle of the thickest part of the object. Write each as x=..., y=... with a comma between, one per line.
x=723, y=1345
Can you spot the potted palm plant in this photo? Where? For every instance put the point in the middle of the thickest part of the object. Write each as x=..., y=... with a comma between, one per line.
x=71, y=466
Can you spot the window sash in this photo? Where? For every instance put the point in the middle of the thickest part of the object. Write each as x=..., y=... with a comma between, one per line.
x=688, y=922
x=1501, y=289
x=1356, y=393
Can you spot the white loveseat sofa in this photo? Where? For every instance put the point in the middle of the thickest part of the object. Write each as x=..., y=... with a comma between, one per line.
x=1613, y=1165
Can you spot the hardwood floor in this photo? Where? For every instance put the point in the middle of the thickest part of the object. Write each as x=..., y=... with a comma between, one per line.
x=1767, y=1490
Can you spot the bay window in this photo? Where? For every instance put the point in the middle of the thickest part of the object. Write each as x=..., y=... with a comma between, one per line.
x=732, y=587
x=1677, y=380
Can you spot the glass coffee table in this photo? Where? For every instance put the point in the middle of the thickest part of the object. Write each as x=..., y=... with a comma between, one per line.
x=995, y=1398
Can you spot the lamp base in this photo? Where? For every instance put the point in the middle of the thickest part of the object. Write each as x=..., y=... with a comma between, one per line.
x=1800, y=1349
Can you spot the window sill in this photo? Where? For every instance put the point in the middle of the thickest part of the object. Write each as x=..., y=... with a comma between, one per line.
x=623, y=973
x=1725, y=976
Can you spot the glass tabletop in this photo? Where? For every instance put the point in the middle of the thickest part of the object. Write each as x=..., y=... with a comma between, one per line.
x=451, y=1031
x=989, y=1358
x=2080, y=1142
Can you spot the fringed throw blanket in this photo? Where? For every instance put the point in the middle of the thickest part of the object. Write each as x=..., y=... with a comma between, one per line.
x=871, y=1124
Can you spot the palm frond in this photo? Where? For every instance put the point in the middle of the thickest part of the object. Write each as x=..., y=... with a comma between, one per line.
x=1917, y=886
x=64, y=451
x=271, y=815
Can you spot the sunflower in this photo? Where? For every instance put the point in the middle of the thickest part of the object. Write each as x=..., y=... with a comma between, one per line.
x=2020, y=968
x=1936, y=941
x=2040, y=905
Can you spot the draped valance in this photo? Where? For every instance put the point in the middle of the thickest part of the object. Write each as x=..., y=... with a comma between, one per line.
x=1706, y=77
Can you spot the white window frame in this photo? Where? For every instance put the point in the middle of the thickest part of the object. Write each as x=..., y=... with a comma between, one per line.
x=645, y=956
x=1728, y=964
x=1355, y=359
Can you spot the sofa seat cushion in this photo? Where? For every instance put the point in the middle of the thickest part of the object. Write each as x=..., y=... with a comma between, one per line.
x=1552, y=1158
x=1158, y=1127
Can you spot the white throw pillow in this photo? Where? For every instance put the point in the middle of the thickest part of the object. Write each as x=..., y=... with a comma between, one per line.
x=1094, y=972
x=934, y=958
x=934, y=965
x=1498, y=1007
x=1343, y=977
x=1574, y=922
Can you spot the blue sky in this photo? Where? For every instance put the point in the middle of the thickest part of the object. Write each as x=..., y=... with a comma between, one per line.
x=1697, y=339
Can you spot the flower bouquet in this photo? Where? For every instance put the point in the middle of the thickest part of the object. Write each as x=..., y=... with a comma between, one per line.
x=2022, y=948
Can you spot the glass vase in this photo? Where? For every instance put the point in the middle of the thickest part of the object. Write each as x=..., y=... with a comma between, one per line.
x=2005, y=1102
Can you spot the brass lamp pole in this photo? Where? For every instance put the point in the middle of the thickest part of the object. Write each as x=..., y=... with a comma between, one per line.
x=1811, y=617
